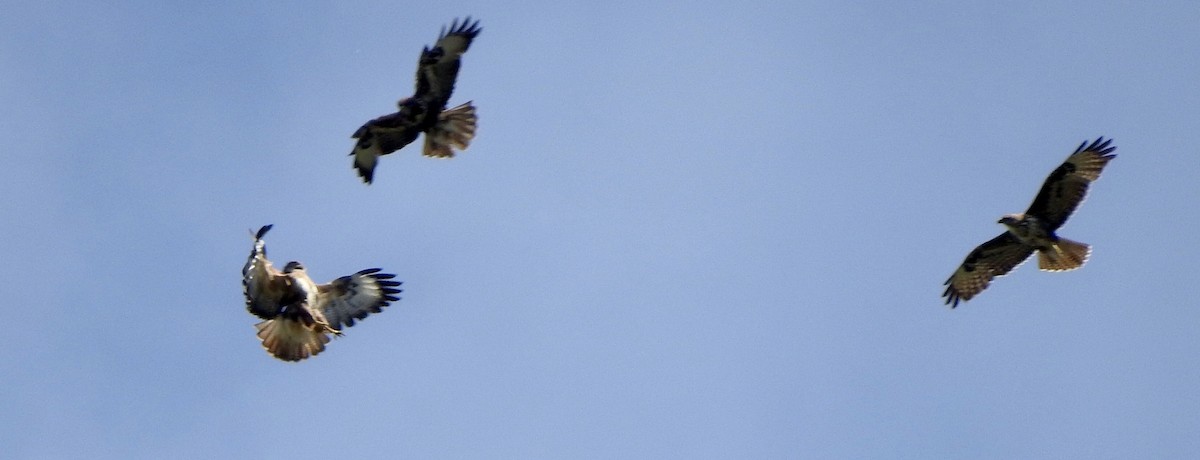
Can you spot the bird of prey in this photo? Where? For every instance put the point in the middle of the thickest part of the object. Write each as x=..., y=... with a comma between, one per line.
x=297, y=313
x=424, y=112
x=1035, y=229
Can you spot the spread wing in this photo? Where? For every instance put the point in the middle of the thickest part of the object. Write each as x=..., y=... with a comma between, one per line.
x=300, y=332
x=267, y=290
x=384, y=135
x=354, y=297
x=438, y=67
x=994, y=258
x=1068, y=184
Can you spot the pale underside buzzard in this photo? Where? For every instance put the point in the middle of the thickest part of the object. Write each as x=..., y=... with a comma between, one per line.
x=298, y=314
x=1035, y=229
x=424, y=112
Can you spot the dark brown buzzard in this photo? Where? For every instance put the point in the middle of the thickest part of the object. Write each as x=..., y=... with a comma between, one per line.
x=1035, y=229
x=297, y=313
x=424, y=112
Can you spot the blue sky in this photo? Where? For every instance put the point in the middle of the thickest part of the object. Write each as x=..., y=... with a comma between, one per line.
x=681, y=232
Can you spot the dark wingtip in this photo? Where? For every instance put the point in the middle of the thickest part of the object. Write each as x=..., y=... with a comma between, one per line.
x=463, y=27
x=367, y=175
x=383, y=279
x=951, y=297
x=950, y=294
x=263, y=231
x=1100, y=146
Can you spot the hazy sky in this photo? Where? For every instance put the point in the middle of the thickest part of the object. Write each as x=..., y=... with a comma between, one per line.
x=681, y=232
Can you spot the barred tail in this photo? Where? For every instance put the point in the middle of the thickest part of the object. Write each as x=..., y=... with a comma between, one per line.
x=455, y=129
x=290, y=340
x=1063, y=255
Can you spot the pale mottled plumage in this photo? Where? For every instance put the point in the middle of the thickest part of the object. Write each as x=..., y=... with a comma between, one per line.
x=1035, y=230
x=297, y=313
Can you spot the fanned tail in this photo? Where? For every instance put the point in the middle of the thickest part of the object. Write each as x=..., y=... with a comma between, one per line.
x=1063, y=255
x=454, y=130
x=290, y=340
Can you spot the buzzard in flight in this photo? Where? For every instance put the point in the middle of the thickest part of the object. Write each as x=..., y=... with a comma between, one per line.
x=1035, y=229
x=297, y=313
x=424, y=112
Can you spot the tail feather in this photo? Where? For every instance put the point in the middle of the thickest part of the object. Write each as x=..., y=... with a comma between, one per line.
x=290, y=340
x=454, y=130
x=1063, y=255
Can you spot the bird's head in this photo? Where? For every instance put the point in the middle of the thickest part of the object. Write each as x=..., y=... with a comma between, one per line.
x=293, y=266
x=1011, y=220
x=409, y=102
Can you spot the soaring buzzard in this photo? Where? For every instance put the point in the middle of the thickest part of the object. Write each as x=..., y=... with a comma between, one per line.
x=424, y=112
x=1034, y=230
x=298, y=313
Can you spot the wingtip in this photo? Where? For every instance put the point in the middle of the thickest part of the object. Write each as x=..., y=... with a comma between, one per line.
x=1101, y=146
x=952, y=300
x=367, y=175
x=263, y=231
x=461, y=27
x=952, y=296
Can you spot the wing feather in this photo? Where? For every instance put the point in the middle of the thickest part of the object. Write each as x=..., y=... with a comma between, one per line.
x=384, y=135
x=1067, y=186
x=267, y=290
x=996, y=257
x=437, y=69
x=353, y=297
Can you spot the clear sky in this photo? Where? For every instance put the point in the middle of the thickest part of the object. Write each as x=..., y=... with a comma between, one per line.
x=682, y=232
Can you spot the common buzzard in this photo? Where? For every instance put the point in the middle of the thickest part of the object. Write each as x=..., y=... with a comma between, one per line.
x=1035, y=229
x=297, y=313
x=424, y=112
